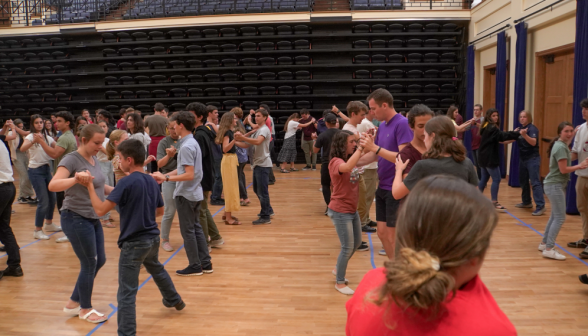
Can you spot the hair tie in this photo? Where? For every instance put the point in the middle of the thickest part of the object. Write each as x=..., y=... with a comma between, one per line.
x=435, y=264
x=453, y=138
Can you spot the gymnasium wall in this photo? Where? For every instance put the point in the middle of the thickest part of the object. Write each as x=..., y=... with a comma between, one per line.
x=551, y=28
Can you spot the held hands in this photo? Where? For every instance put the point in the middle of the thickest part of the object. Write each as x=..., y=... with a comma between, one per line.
x=84, y=178
x=158, y=177
x=239, y=136
x=583, y=164
x=314, y=136
x=150, y=158
x=400, y=166
x=171, y=151
x=523, y=132
x=37, y=138
x=367, y=141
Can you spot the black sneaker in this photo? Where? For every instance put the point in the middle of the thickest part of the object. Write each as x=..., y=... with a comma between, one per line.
x=13, y=271
x=207, y=269
x=583, y=255
x=271, y=215
x=179, y=306
x=271, y=183
x=307, y=168
x=363, y=247
x=372, y=224
x=190, y=271
x=2, y=248
x=314, y=167
x=31, y=200
x=367, y=228
x=262, y=221
x=327, y=211
x=22, y=200
x=217, y=202
x=582, y=243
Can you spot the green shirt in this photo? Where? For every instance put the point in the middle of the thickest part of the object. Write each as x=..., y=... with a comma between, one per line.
x=559, y=151
x=68, y=142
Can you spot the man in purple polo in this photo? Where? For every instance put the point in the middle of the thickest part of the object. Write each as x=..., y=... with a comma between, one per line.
x=393, y=134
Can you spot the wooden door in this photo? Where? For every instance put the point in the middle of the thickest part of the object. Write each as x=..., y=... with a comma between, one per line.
x=489, y=87
x=554, y=101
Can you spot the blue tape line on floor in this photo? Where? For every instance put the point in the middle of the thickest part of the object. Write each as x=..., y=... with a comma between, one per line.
x=539, y=233
x=371, y=250
x=29, y=244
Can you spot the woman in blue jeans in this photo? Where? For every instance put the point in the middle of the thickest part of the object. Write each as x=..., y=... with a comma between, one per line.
x=555, y=184
x=343, y=206
x=80, y=223
x=39, y=172
x=489, y=153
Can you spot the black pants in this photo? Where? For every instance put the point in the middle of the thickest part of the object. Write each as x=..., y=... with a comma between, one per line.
x=326, y=182
x=7, y=194
x=242, y=181
x=272, y=177
x=60, y=196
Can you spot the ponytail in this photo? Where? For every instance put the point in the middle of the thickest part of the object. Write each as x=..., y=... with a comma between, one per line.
x=110, y=148
x=560, y=128
x=444, y=141
x=416, y=280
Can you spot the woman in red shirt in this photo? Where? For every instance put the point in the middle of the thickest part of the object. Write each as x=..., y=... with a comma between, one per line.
x=432, y=288
x=343, y=206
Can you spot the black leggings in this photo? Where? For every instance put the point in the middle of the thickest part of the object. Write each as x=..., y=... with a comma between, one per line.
x=242, y=181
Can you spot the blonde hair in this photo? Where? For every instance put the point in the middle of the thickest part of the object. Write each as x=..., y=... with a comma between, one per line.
x=444, y=223
x=239, y=113
x=293, y=116
x=114, y=136
x=225, y=124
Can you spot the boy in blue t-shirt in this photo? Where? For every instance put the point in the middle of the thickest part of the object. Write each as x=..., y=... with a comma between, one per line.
x=139, y=200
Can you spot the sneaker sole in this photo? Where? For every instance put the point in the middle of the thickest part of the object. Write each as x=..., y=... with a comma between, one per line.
x=583, y=256
x=363, y=250
x=191, y=274
x=538, y=214
x=208, y=272
x=265, y=223
x=554, y=258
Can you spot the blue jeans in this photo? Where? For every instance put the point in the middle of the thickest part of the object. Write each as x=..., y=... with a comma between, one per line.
x=87, y=240
x=169, y=209
x=348, y=227
x=529, y=169
x=557, y=197
x=217, y=187
x=487, y=172
x=40, y=178
x=260, y=187
x=132, y=255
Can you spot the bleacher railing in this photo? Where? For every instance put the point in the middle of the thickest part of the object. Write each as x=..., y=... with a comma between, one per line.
x=49, y=12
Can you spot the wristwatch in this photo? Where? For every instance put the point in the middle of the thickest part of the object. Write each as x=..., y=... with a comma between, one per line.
x=166, y=178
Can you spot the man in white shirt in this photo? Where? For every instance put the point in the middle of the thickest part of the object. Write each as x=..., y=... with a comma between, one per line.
x=357, y=111
x=370, y=172
x=580, y=153
x=7, y=194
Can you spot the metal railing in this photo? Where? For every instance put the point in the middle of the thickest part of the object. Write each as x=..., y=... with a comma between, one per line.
x=48, y=12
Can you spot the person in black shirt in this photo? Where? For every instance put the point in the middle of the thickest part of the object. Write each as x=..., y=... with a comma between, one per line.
x=530, y=164
x=323, y=142
x=489, y=154
x=139, y=200
x=205, y=138
x=226, y=139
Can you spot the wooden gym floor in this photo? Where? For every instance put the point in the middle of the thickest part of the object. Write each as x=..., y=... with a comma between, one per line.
x=276, y=279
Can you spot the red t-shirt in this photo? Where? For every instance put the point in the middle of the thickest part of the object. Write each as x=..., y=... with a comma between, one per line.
x=412, y=154
x=268, y=123
x=121, y=125
x=345, y=193
x=472, y=311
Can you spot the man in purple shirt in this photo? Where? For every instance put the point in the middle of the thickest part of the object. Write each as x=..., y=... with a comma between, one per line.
x=393, y=134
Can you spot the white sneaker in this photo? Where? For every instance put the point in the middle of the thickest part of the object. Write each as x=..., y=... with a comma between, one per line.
x=382, y=252
x=63, y=239
x=167, y=246
x=542, y=247
x=553, y=254
x=40, y=235
x=52, y=228
x=209, y=249
x=345, y=290
x=217, y=243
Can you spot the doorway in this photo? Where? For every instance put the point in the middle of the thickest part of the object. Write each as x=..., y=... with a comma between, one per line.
x=554, y=89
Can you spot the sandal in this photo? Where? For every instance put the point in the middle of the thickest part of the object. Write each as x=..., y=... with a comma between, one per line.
x=499, y=207
x=293, y=169
x=284, y=171
x=244, y=203
x=73, y=311
x=93, y=311
x=232, y=217
x=108, y=224
x=235, y=222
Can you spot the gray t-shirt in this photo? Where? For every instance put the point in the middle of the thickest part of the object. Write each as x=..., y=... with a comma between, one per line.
x=165, y=143
x=261, y=156
x=443, y=166
x=560, y=151
x=189, y=155
x=77, y=198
